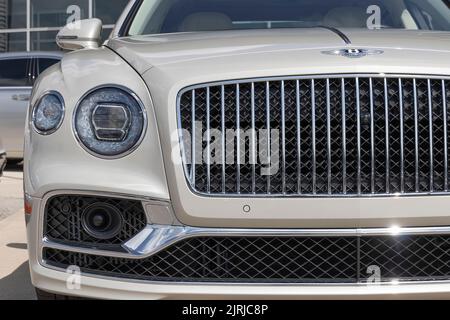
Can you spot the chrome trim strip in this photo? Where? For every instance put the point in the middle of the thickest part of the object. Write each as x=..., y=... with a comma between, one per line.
x=313, y=77
x=313, y=133
x=416, y=135
x=358, y=125
x=224, y=160
x=328, y=136
x=402, y=136
x=388, y=137
x=15, y=88
x=299, y=137
x=254, y=147
x=155, y=238
x=372, y=138
x=269, y=145
x=444, y=107
x=430, y=111
x=238, y=138
x=208, y=133
x=193, y=140
x=344, y=137
x=283, y=138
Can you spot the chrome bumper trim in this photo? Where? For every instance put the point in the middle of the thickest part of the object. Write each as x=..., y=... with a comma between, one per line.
x=155, y=238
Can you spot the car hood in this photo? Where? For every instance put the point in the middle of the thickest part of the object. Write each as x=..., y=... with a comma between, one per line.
x=281, y=48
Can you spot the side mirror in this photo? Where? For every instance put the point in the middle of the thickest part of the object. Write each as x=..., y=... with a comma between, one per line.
x=82, y=34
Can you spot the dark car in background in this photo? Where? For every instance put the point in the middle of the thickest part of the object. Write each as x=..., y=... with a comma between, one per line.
x=18, y=71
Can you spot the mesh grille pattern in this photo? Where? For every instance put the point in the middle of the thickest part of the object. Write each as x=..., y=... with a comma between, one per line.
x=278, y=260
x=63, y=219
x=335, y=136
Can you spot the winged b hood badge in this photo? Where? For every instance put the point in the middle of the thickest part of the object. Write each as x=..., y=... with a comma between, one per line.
x=353, y=52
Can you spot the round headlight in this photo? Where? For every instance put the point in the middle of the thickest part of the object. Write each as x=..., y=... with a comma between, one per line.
x=48, y=113
x=110, y=122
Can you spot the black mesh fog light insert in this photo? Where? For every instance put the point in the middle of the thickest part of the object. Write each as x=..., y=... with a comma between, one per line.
x=78, y=219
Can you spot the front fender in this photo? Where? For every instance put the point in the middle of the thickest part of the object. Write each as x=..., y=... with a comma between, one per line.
x=58, y=162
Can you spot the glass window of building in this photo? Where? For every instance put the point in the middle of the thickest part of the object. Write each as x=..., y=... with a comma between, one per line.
x=13, y=14
x=51, y=13
x=13, y=42
x=32, y=25
x=44, y=41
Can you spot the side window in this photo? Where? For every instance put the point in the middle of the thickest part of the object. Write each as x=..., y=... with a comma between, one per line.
x=13, y=73
x=45, y=63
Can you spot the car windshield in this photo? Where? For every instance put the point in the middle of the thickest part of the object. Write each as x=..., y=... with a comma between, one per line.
x=170, y=16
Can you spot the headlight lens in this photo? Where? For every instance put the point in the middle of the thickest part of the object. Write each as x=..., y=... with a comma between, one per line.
x=110, y=122
x=48, y=113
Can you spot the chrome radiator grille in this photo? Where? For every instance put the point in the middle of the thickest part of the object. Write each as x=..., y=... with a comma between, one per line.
x=357, y=135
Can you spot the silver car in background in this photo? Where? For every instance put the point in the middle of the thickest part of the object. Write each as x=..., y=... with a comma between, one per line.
x=18, y=72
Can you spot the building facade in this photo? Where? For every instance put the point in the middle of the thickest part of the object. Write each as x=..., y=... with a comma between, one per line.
x=32, y=25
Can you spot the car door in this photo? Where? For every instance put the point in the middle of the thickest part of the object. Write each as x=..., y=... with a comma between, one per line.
x=15, y=91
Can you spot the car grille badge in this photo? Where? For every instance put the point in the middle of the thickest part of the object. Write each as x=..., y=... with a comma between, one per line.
x=353, y=52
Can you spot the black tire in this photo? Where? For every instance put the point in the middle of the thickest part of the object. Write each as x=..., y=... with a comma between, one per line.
x=44, y=295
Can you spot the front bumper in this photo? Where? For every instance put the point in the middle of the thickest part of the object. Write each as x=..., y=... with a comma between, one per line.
x=104, y=288
x=155, y=238
x=2, y=163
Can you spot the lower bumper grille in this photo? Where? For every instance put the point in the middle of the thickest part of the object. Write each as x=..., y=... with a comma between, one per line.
x=278, y=260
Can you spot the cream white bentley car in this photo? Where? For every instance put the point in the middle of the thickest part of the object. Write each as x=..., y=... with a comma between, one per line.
x=244, y=149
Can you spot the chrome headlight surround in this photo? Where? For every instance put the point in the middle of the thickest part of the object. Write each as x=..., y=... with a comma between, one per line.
x=87, y=136
x=35, y=113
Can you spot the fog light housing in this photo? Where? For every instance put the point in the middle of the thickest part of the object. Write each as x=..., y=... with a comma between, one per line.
x=102, y=221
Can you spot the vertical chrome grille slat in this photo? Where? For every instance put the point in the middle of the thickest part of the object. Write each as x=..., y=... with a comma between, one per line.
x=238, y=139
x=253, y=128
x=372, y=138
x=416, y=136
x=269, y=151
x=347, y=128
x=223, y=131
x=445, y=117
x=430, y=124
x=299, y=137
x=358, y=125
x=208, y=134
x=193, y=141
x=402, y=137
x=313, y=135
x=344, y=137
x=388, y=136
x=283, y=138
x=328, y=136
